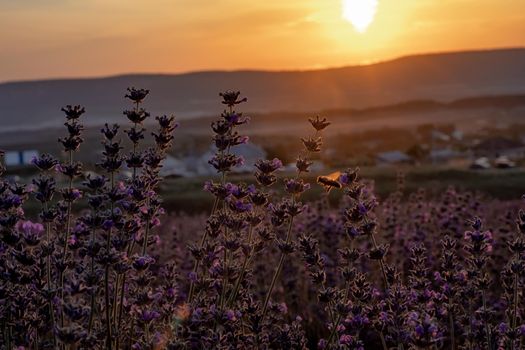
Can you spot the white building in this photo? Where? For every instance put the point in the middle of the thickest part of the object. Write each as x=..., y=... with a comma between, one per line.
x=393, y=157
x=19, y=158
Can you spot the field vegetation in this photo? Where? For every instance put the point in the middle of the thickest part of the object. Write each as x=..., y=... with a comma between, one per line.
x=351, y=258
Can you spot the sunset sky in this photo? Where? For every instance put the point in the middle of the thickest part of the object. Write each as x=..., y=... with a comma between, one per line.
x=74, y=38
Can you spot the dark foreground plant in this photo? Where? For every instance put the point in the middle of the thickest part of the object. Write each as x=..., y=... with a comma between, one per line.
x=263, y=270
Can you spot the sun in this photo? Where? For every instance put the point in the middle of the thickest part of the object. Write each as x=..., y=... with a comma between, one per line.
x=360, y=13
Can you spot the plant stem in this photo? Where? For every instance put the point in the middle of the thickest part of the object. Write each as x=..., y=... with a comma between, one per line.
x=487, y=326
x=121, y=278
x=225, y=278
x=278, y=270
x=247, y=258
x=48, y=277
x=106, y=275
x=381, y=263
x=515, y=305
x=201, y=245
x=383, y=341
x=452, y=332
x=64, y=251
x=387, y=285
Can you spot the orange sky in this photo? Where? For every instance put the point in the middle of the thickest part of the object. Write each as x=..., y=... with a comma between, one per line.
x=63, y=38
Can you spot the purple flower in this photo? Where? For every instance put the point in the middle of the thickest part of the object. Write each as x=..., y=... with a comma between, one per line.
x=32, y=232
x=141, y=263
x=73, y=112
x=349, y=177
x=225, y=162
x=345, y=339
x=147, y=316
x=192, y=276
x=296, y=186
x=136, y=95
x=318, y=123
x=231, y=98
x=312, y=144
x=239, y=206
x=45, y=162
x=107, y=225
x=230, y=315
x=268, y=166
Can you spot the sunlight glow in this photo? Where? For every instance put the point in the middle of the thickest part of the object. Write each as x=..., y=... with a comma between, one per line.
x=360, y=13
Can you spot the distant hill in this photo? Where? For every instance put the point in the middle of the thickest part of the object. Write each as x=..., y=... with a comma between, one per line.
x=434, y=77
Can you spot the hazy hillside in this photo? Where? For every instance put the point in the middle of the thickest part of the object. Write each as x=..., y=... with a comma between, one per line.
x=438, y=77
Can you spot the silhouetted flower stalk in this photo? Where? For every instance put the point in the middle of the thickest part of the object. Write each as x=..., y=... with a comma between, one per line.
x=246, y=261
x=478, y=246
x=95, y=278
x=223, y=161
x=44, y=192
x=72, y=170
x=449, y=279
x=95, y=184
x=348, y=180
x=225, y=143
x=515, y=270
x=265, y=177
x=135, y=160
x=137, y=116
x=295, y=187
x=107, y=295
x=360, y=223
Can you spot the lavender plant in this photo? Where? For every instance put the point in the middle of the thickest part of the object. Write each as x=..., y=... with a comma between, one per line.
x=262, y=270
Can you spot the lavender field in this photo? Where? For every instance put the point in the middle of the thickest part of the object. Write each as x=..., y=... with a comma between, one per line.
x=102, y=265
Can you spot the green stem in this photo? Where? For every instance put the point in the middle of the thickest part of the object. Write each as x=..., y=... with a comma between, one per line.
x=247, y=258
x=225, y=278
x=487, y=326
x=48, y=277
x=277, y=271
x=515, y=305
x=65, y=247
x=201, y=245
x=452, y=332
x=383, y=341
x=109, y=339
x=381, y=263
x=387, y=285
x=108, y=313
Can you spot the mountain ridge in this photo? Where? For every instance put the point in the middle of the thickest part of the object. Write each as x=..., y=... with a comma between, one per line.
x=252, y=70
x=442, y=77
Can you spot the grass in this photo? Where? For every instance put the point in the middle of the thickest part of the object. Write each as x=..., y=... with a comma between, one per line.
x=186, y=194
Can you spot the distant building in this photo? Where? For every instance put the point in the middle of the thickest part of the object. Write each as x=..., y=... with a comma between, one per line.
x=393, y=157
x=12, y=159
x=443, y=155
x=175, y=168
x=503, y=162
x=457, y=135
x=19, y=158
x=499, y=146
x=197, y=165
x=481, y=163
x=251, y=153
x=440, y=136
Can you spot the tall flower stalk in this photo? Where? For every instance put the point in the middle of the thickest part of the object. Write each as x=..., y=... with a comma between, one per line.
x=71, y=170
x=223, y=161
x=45, y=188
x=289, y=209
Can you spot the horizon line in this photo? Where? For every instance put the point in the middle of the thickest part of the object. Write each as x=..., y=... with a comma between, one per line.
x=261, y=70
